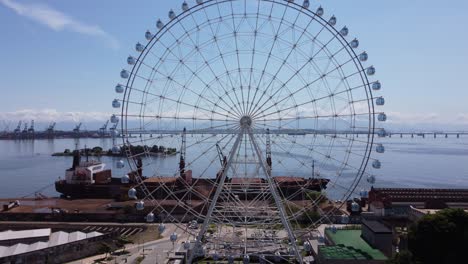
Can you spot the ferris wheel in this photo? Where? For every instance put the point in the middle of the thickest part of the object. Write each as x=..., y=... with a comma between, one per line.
x=243, y=121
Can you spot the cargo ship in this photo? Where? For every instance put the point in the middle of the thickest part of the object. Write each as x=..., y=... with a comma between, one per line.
x=91, y=179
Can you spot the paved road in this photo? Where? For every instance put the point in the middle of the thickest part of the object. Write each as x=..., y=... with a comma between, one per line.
x=154, y=251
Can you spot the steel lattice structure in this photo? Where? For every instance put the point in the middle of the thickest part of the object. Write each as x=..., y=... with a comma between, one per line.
x=265, y=102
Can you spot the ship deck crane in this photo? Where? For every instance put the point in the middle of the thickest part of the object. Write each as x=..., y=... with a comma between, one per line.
x=268, y=150
x=183, y=175
x=183, y=149
x=222, y=157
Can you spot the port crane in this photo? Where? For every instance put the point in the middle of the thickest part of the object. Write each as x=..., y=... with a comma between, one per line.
x=183, y=149
x=25, y=129
x=51, y=127
x=103, y=129
x=31, y=127
x=17, y=130
x=77, y=128
x=113, y=133
x=113, y=128
x=268, y=150
x=51, y=130
x=31, y=131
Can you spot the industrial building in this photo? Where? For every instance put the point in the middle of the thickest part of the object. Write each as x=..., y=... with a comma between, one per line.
x=46, y=246
x=397, y=202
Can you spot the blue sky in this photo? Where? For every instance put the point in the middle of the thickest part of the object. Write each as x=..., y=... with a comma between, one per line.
x=63, y=58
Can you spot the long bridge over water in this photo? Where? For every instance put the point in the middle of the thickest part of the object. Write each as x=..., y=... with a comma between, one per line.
x=29, y=133
x=156, y=133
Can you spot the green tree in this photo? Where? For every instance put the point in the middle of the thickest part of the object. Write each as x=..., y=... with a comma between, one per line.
x=162, y=149
x=155, y=149
x=97, y=151
x=440, y=238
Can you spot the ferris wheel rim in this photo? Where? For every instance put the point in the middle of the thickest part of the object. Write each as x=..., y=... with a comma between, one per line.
x=217, y=2
x=358, y=64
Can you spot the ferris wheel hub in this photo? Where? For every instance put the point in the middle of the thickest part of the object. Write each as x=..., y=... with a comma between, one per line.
x=246, y=121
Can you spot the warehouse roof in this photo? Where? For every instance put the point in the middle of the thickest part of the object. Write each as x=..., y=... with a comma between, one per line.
x=34, y=233
x=55, y=239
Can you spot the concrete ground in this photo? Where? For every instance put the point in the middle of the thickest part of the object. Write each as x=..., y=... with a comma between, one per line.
x=156, y=251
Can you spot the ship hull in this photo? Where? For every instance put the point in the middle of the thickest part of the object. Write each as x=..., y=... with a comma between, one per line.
x=118, y=191
x=111, y=190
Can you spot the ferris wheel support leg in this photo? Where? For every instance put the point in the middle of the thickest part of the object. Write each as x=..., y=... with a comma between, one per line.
x=206, y=222
x=276, y=197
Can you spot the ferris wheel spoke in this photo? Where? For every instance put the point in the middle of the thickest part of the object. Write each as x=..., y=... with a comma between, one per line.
x=194, y=74
x=253, y=58
x=330, y=134
x=338, y=67
x=191, y=189
x=170, y=134
x=224, y=62
x=329, y=157
x=212, y=147
x=237, y=56
x=282, y=209
x=256, y=115
x=346, y=189
x=316, y=116
x=297, y=72
x=234, y=113
x=162, y=98
x=185, y=87
x=205, y=60
x=285, y=60
x=315, y=100
x=271, y=49
x=215, y=40
x=181, y=118
x=222, y=59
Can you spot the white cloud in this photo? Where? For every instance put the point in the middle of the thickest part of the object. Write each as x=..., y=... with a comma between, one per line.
x=396, y=120
x=58, y=21
x=52, y=115
x=462, y=118
x=431, y=121
x=415, y=118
